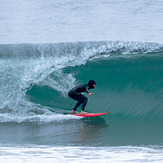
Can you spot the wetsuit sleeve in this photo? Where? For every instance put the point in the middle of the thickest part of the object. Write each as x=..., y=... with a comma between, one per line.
x=87, y=90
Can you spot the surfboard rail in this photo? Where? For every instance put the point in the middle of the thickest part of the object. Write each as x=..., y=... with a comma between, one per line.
x=90, y=114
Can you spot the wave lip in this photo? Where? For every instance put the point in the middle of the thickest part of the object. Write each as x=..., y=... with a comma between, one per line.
x=82, y=50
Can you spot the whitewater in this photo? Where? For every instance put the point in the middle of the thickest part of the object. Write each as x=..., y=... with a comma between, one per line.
x=48, y=47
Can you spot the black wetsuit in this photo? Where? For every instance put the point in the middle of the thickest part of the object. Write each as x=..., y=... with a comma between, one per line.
x=75, y=94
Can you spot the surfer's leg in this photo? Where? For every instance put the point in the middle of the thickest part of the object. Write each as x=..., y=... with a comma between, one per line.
x=75, y=96
x=77, y=105
x=81, y=100
x=84, y=99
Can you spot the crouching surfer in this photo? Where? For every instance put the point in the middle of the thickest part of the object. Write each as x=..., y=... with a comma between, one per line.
x=75, y=94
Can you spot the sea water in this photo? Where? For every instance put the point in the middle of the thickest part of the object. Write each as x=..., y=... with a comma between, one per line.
x=48, y=47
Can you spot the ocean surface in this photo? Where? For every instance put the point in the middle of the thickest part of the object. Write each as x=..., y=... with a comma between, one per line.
x=48, y=47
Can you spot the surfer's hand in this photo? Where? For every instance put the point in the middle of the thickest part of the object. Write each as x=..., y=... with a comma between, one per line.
x=91, y=93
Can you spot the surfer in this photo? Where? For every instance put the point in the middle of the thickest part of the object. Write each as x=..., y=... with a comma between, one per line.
x=75, y=94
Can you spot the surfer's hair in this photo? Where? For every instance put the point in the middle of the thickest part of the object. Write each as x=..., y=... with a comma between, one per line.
x=91, y=83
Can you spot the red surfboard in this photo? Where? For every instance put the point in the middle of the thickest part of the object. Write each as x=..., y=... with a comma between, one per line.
x=90, y=114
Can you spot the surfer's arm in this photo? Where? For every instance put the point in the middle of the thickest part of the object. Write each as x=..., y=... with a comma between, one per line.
x=87, y=90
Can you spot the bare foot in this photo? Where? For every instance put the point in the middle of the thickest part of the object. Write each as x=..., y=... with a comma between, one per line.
x=73, y=112
x=83, y=112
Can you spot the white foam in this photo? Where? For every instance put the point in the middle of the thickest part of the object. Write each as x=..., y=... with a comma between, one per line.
x=45, y=118
x=44, y=154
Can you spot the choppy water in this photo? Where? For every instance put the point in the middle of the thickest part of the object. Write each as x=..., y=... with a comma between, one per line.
x=36, y=75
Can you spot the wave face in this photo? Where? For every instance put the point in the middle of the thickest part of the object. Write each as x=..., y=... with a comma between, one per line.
x=129, y=78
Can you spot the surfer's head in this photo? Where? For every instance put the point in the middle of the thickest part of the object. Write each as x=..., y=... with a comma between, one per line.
x=92, y=84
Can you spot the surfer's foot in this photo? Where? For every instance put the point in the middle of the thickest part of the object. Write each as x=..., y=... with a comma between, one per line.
x=73, y=112
x=83, y=112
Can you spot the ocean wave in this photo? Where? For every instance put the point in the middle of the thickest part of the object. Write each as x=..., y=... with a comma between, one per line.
x=128, y=75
